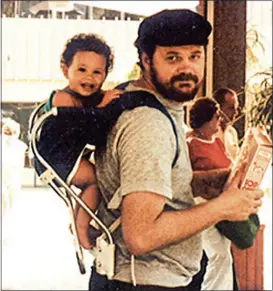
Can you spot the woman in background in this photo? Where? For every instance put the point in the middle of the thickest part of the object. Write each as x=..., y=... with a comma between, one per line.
x=207, y=152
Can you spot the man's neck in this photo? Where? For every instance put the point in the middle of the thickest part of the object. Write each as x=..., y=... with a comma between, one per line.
x=223, y=126
x=144, y=83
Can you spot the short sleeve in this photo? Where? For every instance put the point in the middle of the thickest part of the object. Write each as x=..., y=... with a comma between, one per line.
x=145, y=145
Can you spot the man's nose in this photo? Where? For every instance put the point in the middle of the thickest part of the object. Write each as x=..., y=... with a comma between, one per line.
x=184, y=66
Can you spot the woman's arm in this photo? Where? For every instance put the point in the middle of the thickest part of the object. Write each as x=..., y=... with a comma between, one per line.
x=209, y=184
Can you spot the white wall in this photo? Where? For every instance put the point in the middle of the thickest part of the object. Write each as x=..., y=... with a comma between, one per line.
x=31, y=50
x=259, y=17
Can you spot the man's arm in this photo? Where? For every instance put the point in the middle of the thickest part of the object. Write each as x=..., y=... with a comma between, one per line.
x=147, y=227
x=145, y=148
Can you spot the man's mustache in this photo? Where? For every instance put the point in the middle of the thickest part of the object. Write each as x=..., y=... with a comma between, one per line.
x=185, y=77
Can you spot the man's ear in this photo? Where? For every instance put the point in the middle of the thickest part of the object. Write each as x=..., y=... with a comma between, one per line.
x=146, y=61
x=65, y=70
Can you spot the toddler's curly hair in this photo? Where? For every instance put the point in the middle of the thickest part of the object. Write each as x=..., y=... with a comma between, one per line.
x=87, y=42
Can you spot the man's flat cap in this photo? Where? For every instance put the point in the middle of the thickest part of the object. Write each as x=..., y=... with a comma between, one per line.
x=174, y=28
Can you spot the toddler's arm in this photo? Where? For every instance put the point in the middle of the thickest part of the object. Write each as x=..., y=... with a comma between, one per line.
x=63, y=99
x=109, y=96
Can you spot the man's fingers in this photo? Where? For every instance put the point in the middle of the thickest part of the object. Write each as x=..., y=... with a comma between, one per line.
x=255, y=209
x=259, y=194
x=258, y=203
x=236, y=181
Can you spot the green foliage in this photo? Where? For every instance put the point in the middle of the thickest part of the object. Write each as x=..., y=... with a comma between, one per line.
x=135, y=73
x=8, y=8
x=258, y=90
x=254, y=48
x=260, y=105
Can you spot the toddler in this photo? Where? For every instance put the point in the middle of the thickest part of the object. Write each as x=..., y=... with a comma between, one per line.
x=85, y=62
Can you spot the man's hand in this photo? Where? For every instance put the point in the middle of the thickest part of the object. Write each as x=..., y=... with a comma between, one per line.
x=209, y=184
x=238, y=204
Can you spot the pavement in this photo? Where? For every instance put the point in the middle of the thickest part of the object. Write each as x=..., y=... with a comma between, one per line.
x=37, y=247
x=38, y=251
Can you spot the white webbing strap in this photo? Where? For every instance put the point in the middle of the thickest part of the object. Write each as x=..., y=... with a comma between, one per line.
x=133, y=274
x=112, y=228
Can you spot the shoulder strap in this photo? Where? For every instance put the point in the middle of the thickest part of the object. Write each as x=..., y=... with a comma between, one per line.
x=92, y=100
x=71, y=92
x=94, y=124
x=48, y=104
x=122, y=86
x=132, y=99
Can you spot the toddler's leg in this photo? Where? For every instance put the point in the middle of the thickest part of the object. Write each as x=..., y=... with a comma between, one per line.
x=85, y=179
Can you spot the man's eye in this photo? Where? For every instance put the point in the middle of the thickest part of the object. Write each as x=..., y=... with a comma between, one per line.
x=173, y=58
x=195, y=57
x=82, y=69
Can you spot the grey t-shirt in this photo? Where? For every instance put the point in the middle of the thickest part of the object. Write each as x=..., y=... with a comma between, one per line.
x=140, y=150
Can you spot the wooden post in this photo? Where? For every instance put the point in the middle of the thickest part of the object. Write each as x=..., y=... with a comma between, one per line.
x=229, y=49
x=249, y=264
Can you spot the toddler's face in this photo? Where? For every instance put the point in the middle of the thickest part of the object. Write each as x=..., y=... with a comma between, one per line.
x=86, y=73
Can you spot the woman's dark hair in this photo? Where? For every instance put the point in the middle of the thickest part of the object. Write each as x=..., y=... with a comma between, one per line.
x=202, y=111
x=87, y=42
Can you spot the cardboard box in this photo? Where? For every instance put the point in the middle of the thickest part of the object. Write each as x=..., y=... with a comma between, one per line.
x=256, y=155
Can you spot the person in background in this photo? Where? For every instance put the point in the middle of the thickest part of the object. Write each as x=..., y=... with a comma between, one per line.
x=228, y=101
x=13, y=159
x=207, y=152
x=158, y=244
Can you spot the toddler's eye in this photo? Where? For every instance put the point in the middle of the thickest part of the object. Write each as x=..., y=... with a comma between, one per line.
x=82, y=70
x=97, y=72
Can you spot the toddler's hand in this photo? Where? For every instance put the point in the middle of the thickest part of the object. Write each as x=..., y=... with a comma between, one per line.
x=82, y=234
x=109, y=96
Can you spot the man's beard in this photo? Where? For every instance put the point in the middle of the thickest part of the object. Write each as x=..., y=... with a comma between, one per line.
x=168, y=90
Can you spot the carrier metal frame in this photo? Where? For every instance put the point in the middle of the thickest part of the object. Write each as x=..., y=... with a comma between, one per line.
x=104, y=249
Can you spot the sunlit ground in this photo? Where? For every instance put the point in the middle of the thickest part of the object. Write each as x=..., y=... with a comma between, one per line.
x=38, y=252
x=37, y=248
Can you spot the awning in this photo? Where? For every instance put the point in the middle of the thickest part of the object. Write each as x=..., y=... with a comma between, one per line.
x=59, y=6
x=141, y=7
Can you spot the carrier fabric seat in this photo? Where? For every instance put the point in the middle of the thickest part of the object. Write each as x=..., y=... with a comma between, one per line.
x=63, y=137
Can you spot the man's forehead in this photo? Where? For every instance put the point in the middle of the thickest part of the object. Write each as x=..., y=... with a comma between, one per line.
x=181, y=49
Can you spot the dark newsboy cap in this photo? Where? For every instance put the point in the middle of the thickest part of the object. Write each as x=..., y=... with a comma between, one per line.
x=173, y=28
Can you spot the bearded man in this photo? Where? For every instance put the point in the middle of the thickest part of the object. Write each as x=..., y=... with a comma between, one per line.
x=158, y=244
